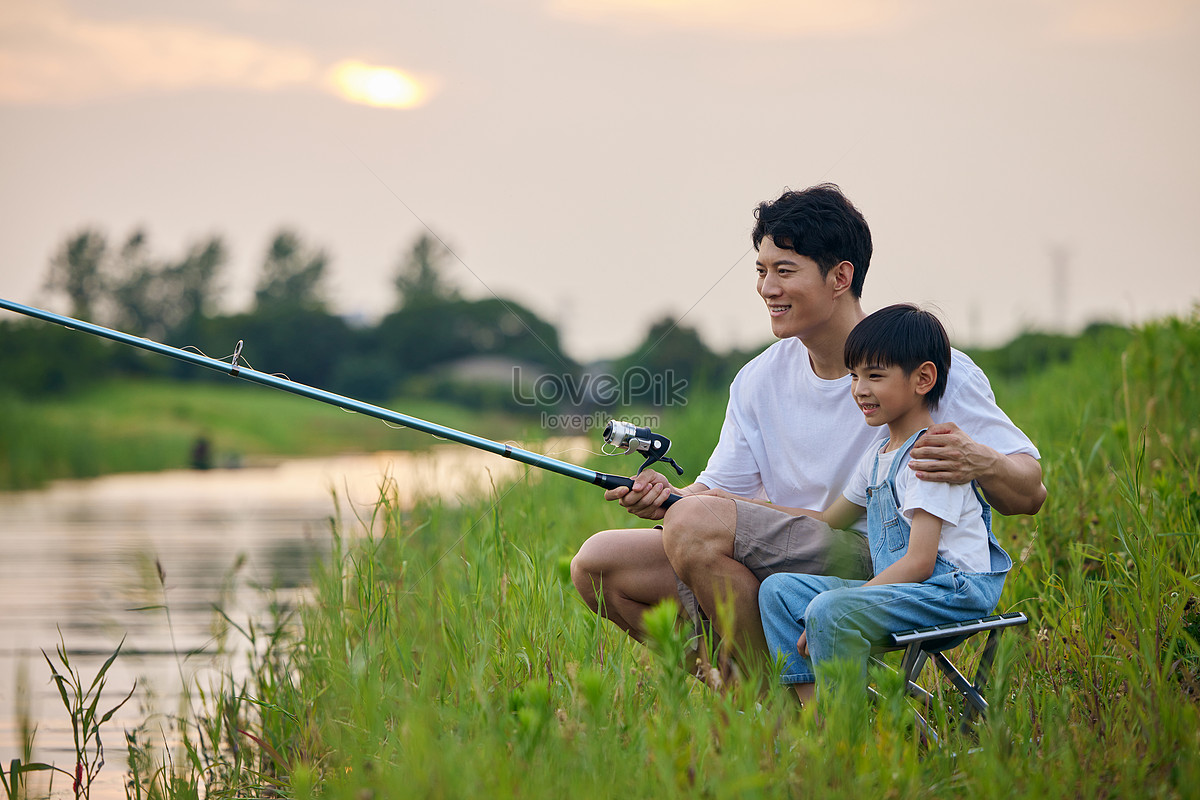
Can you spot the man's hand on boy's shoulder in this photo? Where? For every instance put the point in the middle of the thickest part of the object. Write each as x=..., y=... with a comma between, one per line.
x=947, y=454
x=1011, y=483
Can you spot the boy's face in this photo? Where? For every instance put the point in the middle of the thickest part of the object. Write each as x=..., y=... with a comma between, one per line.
x=797, y=297
x=888, y=396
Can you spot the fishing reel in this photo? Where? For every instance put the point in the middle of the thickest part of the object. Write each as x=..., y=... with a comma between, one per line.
x=628, y=437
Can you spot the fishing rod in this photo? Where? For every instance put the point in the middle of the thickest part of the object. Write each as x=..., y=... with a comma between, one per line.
x=621, y=435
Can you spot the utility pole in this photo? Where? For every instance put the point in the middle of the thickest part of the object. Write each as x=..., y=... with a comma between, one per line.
x=1060, y=259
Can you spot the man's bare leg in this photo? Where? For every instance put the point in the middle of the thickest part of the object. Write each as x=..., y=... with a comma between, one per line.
x=623, y=574
x=698, y=540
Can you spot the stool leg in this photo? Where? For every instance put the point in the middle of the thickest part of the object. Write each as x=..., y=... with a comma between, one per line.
x=984, y=671
x=975, y=702
x=910, y=667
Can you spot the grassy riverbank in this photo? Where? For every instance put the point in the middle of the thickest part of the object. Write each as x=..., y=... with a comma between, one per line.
x=449, y=656
x=137, y=425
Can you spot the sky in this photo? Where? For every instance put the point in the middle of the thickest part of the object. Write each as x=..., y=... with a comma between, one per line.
x=1024, y=164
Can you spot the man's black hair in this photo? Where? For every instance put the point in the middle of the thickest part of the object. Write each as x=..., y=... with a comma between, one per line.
x=821, y=223
x=901, y=336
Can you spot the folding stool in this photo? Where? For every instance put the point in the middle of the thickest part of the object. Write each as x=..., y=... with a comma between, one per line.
x=932, y=643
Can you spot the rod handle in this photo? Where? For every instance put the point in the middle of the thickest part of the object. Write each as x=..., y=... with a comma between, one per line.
x=607, y=481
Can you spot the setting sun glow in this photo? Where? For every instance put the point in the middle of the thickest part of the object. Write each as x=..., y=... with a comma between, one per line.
x=383, y=87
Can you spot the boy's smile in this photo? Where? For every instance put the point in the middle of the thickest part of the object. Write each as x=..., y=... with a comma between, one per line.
x=887, y=396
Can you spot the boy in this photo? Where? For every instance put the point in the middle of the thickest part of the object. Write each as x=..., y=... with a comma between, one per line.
x=934, y=557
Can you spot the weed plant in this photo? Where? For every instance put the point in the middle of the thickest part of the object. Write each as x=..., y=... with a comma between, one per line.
x=444, y=652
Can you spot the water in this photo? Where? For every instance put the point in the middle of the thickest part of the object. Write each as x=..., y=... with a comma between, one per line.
x=90, y=563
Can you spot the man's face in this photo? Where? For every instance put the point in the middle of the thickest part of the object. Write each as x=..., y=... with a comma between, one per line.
x=797, y=297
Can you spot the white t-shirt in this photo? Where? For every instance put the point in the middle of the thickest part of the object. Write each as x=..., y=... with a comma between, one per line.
x=794, y=438
x=964, y=538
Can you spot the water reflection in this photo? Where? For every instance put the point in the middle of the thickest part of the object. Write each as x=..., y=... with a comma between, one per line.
x=147, y=558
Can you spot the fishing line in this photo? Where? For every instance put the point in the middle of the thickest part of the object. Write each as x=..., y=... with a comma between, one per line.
x=458, y=258
x=235, y=367
x=233, y=364
x=825, y=174
x=588, y=450
x=691, y=308
x=643, y=440
x=565, y=450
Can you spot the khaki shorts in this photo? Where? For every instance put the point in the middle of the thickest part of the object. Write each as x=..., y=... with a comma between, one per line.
x=768, y=540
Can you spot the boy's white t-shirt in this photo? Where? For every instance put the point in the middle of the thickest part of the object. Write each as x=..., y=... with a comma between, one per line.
x=964, y=538
x=794, y=438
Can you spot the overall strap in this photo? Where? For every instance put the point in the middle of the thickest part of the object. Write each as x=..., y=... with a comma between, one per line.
x=898, y=461
x=901, y=453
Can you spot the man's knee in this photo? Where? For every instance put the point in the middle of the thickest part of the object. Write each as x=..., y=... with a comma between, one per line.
x=586, y=574
x=697, y=531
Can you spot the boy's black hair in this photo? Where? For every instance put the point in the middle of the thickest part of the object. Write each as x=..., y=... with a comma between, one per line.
x=821, y=223
x=902, y=336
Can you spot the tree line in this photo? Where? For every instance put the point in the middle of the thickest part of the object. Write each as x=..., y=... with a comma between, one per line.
x=411, y=351
x=290, y=329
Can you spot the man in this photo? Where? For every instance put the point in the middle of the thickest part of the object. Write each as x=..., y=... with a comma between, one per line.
x=790, y=434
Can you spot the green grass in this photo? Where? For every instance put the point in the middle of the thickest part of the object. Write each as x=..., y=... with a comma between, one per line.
x=138, y=425
x=449, y=656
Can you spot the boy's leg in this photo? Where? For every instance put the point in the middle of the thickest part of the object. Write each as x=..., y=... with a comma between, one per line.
x=784, y=600
x=622, y=574
x=844, y=623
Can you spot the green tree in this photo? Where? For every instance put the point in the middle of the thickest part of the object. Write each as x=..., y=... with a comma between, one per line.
x=292, y=276
x=1031, y=352
x=159, y=299
x=675, y=352
x=195, y=278
x=42, y=359
x=77, y=270
x=419, y=279
x=304, y=345
x=419, y=338
x=135, y=289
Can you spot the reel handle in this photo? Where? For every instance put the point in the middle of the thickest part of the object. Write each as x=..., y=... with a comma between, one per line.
x=632, y=439
x=607, y=481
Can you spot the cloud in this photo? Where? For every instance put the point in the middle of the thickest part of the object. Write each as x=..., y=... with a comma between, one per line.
x=48, y=55
x=756, y=17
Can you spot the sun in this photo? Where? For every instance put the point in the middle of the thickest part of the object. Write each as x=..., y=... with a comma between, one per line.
x=382, y=87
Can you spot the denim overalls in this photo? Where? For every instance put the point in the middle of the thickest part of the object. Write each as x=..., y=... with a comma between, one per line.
x=843, y=619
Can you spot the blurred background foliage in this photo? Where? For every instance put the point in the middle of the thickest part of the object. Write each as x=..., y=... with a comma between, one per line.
x=435, y=343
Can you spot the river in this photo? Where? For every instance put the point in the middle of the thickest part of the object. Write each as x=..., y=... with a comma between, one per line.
x=146, y=558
